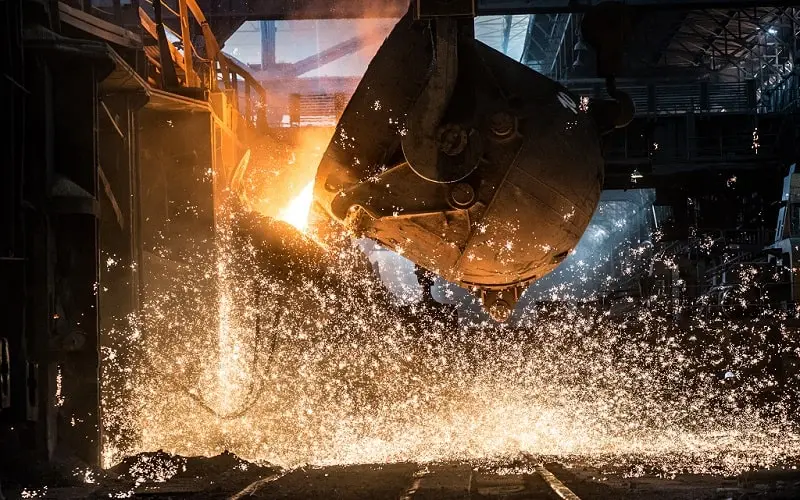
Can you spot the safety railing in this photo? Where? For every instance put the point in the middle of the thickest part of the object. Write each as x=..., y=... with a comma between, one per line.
x=180, y=64
x=783, y=97
x=721, y=147
x=246, y=92
x=671, y=98
x=734, y=239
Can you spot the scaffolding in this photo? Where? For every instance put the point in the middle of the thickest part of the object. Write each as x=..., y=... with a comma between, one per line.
x=735, y=45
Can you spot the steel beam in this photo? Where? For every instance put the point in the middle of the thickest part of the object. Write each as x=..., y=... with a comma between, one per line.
x=268, y=32
x=499, y=7
x=303, y=66
x=259, y=10
x=351, y=9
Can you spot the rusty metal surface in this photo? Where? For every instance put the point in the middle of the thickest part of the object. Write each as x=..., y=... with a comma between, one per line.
x=391, y=170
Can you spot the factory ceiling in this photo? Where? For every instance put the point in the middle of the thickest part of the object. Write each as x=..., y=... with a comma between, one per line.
x=711, y=40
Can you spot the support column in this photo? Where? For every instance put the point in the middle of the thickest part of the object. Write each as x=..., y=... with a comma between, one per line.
x=74, y=343
x=120, y=251
x=268, y=41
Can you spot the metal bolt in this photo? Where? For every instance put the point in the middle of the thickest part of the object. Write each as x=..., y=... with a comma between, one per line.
x=452, y=139
x=462, y=195
x=500, y=311
x=501, y=124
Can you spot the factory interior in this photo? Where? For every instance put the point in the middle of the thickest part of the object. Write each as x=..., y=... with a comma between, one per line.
x=400, y=249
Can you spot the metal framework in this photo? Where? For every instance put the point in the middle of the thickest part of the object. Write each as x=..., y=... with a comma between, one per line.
x=712, y=40
x=734, y=44
x=751, y=42
x=551, y=41
x=507, y=34
x=343, y=9
x=494, y=7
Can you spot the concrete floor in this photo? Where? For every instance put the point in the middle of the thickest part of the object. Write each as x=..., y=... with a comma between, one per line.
x=227, y=477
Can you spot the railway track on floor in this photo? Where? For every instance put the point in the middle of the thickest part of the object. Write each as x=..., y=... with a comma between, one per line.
x=428, y=482
x=465, y=482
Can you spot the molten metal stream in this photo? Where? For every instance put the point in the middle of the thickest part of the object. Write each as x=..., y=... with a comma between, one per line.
x=296, y=213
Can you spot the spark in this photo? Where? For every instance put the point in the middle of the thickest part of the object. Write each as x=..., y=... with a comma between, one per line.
x=34, y=493
x=756, y=141
x=59, y=399
x=87, y=476
x=122, y=494
x=322, y=367
x=584, y=104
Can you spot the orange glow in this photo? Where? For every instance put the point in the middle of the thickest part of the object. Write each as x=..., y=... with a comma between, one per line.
x=279, y=178
x=296, y=213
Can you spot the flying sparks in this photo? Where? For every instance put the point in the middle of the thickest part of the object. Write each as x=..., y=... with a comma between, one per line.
x=310, y=361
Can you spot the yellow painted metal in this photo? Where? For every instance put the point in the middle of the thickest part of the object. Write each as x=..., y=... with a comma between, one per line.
x=191, y=77
x=150, y=26
x=212, y=46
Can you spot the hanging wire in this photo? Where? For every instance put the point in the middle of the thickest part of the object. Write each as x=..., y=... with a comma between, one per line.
x=257, y=384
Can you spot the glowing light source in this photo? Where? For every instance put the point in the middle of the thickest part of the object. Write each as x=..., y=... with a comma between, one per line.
x=296, y=213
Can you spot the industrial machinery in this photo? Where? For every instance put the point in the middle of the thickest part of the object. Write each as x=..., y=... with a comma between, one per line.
x=467, y=162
